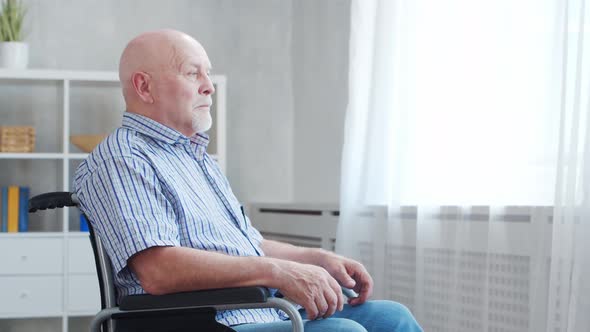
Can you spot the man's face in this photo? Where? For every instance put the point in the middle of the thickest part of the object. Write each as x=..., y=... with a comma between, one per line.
x=183, y=91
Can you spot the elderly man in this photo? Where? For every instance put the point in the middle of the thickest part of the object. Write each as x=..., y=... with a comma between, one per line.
x=170, y=222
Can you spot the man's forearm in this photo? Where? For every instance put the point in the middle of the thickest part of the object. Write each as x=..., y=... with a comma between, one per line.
x=163, y=270
x=290, y=252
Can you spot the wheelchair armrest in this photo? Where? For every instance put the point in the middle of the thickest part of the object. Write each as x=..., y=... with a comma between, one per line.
x=198, y=302
x=58, y=199
x=210, y=297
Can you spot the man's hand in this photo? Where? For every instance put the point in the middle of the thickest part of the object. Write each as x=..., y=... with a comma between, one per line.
x=310, y=286
x=349, y=273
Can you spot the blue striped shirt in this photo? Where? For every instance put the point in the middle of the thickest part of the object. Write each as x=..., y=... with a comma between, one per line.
x=149, y=185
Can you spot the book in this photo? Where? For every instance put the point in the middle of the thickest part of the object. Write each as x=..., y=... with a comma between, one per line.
x=13, y=202
x=4, y=209
x=23, y=212
x=83, y=223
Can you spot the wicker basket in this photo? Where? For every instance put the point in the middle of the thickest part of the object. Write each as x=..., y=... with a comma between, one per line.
x=17, y=139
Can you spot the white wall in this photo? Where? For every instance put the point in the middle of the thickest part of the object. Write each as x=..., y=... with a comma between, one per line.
x=320, y=90
x=287, y=68
x=249, y=41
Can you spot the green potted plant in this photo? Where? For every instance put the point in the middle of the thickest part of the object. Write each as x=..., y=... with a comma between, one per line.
x=14, y=53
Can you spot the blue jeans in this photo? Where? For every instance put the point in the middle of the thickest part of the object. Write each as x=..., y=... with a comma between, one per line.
x=372, y=316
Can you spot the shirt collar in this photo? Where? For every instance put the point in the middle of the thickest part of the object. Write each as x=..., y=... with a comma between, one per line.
x=156, y=130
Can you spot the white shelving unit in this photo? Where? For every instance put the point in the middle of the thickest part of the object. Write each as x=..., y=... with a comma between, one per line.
x=52, y=274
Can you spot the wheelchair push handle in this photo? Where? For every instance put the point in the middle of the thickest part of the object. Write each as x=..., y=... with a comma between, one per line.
x=58, y=199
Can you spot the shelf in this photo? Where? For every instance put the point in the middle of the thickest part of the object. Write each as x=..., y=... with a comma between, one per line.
x=49, y=314
x=59, y=75
x=69, y=289
x=87, y=313
x=73, y=75
x=32, y=235
x=78, y=156
x=75, y=234
x=29, y=155
x=22, y=235
x=50, y=156
x=42, y=155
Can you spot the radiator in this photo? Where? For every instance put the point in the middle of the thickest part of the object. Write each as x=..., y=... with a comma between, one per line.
x=309, y=225
x=488, y=276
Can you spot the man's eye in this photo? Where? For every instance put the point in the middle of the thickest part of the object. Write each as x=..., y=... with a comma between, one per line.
x=193, y=76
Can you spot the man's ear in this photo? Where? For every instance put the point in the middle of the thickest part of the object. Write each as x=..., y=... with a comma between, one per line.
x=142, y=85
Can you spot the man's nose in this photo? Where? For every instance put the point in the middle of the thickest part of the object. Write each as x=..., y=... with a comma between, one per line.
x=207, y=88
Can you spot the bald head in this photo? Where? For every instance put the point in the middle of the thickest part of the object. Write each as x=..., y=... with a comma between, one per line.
x=152, y=51
x=165, y=76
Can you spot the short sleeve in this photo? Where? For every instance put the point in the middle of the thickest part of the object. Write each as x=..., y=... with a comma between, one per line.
x=126, y=205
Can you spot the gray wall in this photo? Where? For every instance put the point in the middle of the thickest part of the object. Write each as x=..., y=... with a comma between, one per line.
x=249, y=41
x=286, y=63
x=320, y=90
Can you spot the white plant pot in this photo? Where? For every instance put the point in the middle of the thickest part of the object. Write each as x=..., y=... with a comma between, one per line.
x=14, y=55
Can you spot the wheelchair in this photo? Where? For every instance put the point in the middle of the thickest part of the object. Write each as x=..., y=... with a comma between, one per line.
x=127, y=315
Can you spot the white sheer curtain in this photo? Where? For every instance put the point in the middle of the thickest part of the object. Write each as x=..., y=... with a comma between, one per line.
x=465, y=170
